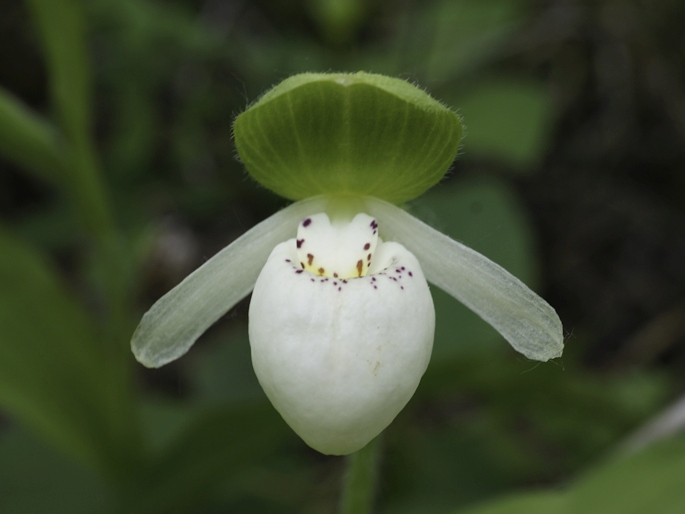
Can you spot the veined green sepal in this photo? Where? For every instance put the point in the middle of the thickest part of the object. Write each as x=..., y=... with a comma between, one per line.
x=340, y=133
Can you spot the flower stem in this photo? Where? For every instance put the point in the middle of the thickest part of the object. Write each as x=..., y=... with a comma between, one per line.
x=359, y=485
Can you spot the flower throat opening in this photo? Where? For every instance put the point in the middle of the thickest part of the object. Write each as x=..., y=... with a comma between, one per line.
x=338, y=249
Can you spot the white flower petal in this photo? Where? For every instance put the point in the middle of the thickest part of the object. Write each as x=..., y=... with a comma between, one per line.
x=339, y=358
x=172, y=325
x=529, y=323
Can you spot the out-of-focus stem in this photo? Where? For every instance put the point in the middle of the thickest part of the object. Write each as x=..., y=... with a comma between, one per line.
x=359, y=487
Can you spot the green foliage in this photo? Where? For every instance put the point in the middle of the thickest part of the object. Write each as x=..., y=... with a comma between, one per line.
x=37, y=478
x=649, y=481
x=464, y=34
x=28, y=140
x=218, y=444
x=62, y=27
x=347, y=134
x=508, y=121
x=540, y=503
x=53, y=376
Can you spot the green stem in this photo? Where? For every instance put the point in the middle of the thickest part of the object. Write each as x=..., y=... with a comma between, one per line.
x=359, y=486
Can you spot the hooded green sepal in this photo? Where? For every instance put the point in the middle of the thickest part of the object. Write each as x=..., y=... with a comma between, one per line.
x=347, y=134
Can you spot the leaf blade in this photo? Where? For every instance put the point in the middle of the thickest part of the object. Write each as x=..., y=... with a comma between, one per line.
x=27, y=140
x=53, y=376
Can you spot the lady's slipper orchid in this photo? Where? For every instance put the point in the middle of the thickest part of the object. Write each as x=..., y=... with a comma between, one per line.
x=341, y=318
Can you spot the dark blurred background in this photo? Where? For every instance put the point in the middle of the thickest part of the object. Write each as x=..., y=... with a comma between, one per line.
x=571, y=176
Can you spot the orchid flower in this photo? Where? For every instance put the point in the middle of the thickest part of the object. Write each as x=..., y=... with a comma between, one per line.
x=341, y=319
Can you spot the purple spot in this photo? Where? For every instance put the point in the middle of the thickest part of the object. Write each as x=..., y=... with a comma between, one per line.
x=367, y=246
x=299, y=271
x=368, y=257
x=411, y=274
x=401, y=287
x=344, y=281
x=299, y=243
x=375, y=287
x=335, y=283
x=287, y=260
x=398, y=270
x=307, y=222
x=312, y=280
x=340, y=289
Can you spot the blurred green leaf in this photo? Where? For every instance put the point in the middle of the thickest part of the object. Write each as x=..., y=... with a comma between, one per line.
x=485, y=215
x=650, y=481
x=27, y=140
x=466, y=32
x=164, y=420
x=61, y=25
x=222, y=372
x=53, y=376
x=218, y=444
x=447, y=39
x=62, y=28
x=506, y=120
x=456, y=463
x=35, y=479
x=532, y=503
x=338, y=19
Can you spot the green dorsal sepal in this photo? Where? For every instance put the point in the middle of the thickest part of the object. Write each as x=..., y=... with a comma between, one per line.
x=347, y=134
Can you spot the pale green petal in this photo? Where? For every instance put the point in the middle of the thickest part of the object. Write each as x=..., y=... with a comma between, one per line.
x=524, y=319
x=173, y=324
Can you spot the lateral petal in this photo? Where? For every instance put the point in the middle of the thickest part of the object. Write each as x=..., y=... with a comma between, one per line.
x=175, y=321
x=523, y=318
